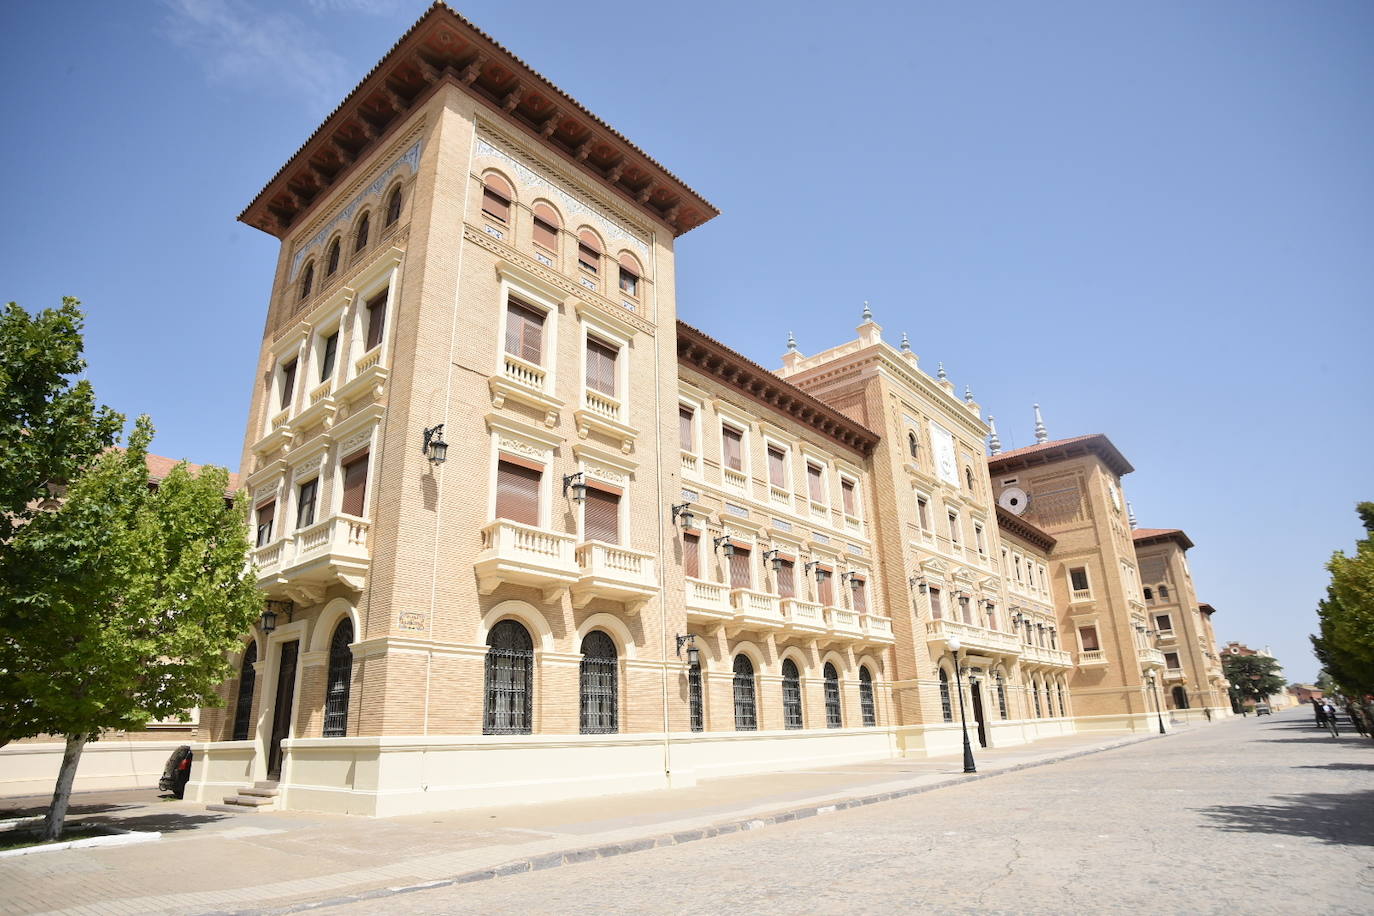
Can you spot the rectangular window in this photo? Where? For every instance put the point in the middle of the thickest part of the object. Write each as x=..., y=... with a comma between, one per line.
x=954, y=528
x=588, y=258
x=1162, y=622
x=815, y=482
x=355, y=485
x=1171, y=659
x=305, y=503
x=266, y=512
x=524, y=332
x=376, y=320
x=601, y=516
x=545, y=234
x=691, y=556
x=1078, y=578
x=517, y=492
x=787, y=579
x=495, y=205
x=741, y=574
x=331, y=351
x=825, y=591
x=732, y=445
x=923, y=513
x=777, y=466
x=851, y=506
x=629, y=282
x=601, y=366
x=858, y=597
x=978, y=540
x=1088, y=637
x=686, y=420
x=937, y=610
x=288, y=384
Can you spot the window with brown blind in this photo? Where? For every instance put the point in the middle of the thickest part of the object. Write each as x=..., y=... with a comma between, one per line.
x=686, y=417
x=787, y=579
x=1171, y=659
x=601, y=366
x=629, y=276
x=496, y=198
x=588, y=252
x=858, y=596
x=546, y=225
x=815, y=482
x=601, y=516
x=741, y=570
x=288, y=383
x=517, y=493
x=376, y=320
x=825, y=592
x=1088, y=637
x=777, y=466
x=266, y=513
x=851, y=506
x=355, y=485
x=732, y=446
x=691, y=556
x=524, y=332
x=305, y=503
x=937, y=609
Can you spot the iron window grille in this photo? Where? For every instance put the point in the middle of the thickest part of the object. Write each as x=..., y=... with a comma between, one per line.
x=833, y=717
x=1035, y=692
x=946, y=710
x=746, y=707
x=243, y=707
x=866, y=704
x=509, y=680
x=1002, y=696
x=694, y=702
x=338, y=681
x=599, y=685
x=1063, y=710
x=791, y=695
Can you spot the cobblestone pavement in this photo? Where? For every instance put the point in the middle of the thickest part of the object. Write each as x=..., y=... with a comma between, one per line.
x=1246, y=816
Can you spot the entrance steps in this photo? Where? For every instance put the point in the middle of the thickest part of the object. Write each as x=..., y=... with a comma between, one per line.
x=250, y=799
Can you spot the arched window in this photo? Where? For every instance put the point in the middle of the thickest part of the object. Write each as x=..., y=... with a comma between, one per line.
x=338, y=681
x=746, y=709
x=393, y=206
x=833, y=716
x=1149, y=594
x=791, y=695
x=307, y=280
x=866, y=704
x=629, y=275
x=1063, y=709
x=360, y=234
x=599, y=690
x=1035, y=692
x=588, y=251
x=1001, y=695
x=694, y=699
x=1180, y=697
x=1049, y=701
x=946, y=710
x=1164, y=591
x=331, y=261
x=243, y=706
x=912, y=445
x=496, y=198
x=509, y=680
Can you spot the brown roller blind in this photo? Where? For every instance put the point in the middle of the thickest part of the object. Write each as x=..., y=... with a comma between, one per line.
x=376, y=320
x=691, y=556
x=266, y=513
x=524, y=332
x=288, y=383
x=825, y=592
x=588, y=253
x=517, y=493
x=601, y=516
x=496, y=201
x=733, y=445
x=1089, y=637
x=685, y=416
x=814, y=483
x=740, y=573
x=859, y=596
x=847, y=492
x=355, y=486
x=787, y=580
x=937, y=610
x=545, y=234
x=777, y=466
x=601, y=366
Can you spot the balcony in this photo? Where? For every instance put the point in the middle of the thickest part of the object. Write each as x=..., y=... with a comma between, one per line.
x=279, y=433
x=691, y=464
x=756, y=609
x=527, y=383
x=735, y=479
x=319, y=408
x=878, y=630
x=708, y=602
x=1166, y=635
x=973, y=638
x=1081, y=594
x=617, y=573
x=844, y=624
x=605, y=414
x=307, y=561
x=368, y=375
x=1149, y=658
x=1036, y=655
x=1173, y=674
x=803, y=616
x=525, y=555
x=1092, y=658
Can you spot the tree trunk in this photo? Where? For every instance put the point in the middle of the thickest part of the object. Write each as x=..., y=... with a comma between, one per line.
x=62, y=795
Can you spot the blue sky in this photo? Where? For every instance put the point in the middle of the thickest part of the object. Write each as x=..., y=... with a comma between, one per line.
x=1154, y=219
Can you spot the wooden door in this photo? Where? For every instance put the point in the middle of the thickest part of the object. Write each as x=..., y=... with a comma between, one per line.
x=281, y=711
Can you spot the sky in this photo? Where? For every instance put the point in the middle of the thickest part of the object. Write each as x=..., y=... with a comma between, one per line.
x=1154, y=219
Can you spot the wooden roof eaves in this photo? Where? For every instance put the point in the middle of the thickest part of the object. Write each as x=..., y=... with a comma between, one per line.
x=1025, y=530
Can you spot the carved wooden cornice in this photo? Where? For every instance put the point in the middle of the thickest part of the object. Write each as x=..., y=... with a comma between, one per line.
x=1023, y=529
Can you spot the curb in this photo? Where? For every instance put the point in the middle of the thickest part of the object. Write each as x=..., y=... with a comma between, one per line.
x=574, y=856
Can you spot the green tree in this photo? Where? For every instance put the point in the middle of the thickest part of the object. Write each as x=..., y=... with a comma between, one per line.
x=1344, y=642
x=1253, y=677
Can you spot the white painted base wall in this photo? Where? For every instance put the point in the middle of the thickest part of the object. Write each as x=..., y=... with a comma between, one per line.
x=110, y=763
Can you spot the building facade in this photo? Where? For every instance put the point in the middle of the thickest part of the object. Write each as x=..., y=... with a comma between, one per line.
x=523, y=534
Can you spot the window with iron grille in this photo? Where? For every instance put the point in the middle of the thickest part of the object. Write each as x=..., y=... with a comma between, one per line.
x=1064, y=710
x=1002, y=696
x=746, y=706
x=694, y=702
x=1035, y=692
x=791, y=695
x=600, y=683
x=946, y=710
x=833, y=717
x=243, y=706
x=1049, y=701
x=509, y=680
x=866, y=704
x=338, y=681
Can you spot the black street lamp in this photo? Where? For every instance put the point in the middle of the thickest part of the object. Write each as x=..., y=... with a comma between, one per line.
x=1158, y=711
x=969, y=766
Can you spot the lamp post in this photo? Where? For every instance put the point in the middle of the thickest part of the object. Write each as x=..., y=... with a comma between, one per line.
x=969, y=766
x=1158, y=711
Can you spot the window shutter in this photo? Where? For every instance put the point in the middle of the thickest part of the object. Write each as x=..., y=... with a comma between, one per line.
x=517, y=493
x=825, y=592
x=684, y=427
x=305, y=505
x=524, y=332
x=740, y=576
x=777, y=467
x=847, y=492
x=787, y=586
x=355, y=486
x=814, y=481
x=691, y=556
x=545, y=235
x=588, y=252
x=601, y=367
x=732, y=440
x=288, y=383
x=496, y=199
x=859, y=596
x=601, y=516
x=376, y=320
x=936, y=610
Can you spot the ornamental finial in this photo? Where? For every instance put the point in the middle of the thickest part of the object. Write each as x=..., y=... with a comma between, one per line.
x=791, y=342
x=994, y=441
x=1041, y=434
x=968, y=394
x=1130, y=515
x=940, y=372
x=906, y=344
x=868, y=312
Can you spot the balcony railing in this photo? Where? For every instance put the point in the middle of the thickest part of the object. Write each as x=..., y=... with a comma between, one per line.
x=803, y=616
x=756, y=608
x=708, y=601
x=973, y=638
x=1090, y=657
x=1082, y=594
x=1149, y=658
x=1046, y=656
x=321, y=392
x=529, y=375
x=843, y=622
x=369, y=359
x=878, y=629
x=734, y=478
x=526, y=555
x=614, y=572
x=691, y=464
x=304, y=562
x=603, y=405
x=779, y=496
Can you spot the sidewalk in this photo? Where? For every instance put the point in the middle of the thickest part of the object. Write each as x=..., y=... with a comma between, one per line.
x=209, y=862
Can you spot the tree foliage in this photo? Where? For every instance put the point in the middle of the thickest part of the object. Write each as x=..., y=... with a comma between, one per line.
x=1253, y=677
x=1344, y=642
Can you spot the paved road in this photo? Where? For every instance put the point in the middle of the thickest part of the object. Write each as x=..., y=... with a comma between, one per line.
x=1245, y=816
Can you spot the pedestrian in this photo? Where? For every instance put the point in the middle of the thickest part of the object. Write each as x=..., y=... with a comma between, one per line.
x=1320, y=713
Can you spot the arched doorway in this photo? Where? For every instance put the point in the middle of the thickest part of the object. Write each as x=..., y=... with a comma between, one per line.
x=1180, y=696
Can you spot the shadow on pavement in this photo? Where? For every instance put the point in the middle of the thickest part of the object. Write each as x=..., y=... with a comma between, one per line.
x=31, y=810
x=1336, y=766
x=170, y=822
x=1338, y=818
